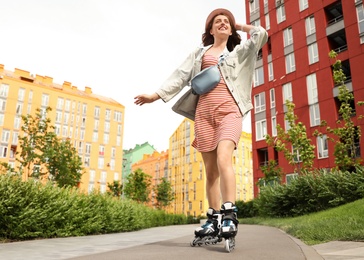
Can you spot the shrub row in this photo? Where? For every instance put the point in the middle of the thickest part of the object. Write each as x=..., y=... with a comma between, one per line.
x=311, y=192
x=30, y=210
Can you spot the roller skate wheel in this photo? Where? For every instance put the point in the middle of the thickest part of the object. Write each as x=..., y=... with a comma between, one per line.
x=229, y=244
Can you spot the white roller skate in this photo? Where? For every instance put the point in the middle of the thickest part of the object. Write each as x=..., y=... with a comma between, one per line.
x=229, y=225
x=208, y=233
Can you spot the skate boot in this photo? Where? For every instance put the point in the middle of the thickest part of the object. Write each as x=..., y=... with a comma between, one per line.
x=208, y=233
x=229, y=226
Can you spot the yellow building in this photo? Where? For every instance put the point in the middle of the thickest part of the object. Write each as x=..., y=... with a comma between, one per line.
x=93, y=123
x=187, y=172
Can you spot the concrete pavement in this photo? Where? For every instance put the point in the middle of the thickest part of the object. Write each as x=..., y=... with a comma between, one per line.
x=172, y=242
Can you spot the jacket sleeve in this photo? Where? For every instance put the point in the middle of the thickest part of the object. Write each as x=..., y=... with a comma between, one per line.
x=178, y=79
x=258, y=37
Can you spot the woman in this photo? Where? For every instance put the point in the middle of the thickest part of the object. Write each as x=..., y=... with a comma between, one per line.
x=219, y=113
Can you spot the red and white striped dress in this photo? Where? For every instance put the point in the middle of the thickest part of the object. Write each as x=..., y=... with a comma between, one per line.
x=217, y=115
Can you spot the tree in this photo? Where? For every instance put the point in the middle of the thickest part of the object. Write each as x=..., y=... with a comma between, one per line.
x=294, y=143
x=116, y=188
x=346, y=135
x=44, y=154
x=272, y=174
x=35, y=133
x=63, y=163
x=164, y=193
x=138, y=186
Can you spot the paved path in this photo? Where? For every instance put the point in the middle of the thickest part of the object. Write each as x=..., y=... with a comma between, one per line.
x=172, y=242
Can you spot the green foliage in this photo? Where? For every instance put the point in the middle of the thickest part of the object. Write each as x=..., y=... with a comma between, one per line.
x=164, y=193
x=63, y=162
x=138, y=186
x=115, y=188
x=311, y=192
x=346, y=135
x=294, y=143
x=343, y=223
x=29, y=210
x=42, y=153
x=272, y=174
x=246, y=209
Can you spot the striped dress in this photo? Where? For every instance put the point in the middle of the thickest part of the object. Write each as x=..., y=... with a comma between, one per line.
x=217, y=115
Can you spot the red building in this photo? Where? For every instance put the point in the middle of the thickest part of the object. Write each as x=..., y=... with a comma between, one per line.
x=294, y=65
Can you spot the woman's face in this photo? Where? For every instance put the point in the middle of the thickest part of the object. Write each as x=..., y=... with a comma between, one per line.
x=221, y=26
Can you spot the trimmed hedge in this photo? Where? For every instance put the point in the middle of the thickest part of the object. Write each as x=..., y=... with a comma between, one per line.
x=29, y=210
x=312, y=192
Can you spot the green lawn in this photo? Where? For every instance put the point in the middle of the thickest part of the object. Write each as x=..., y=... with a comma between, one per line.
x=344, y=223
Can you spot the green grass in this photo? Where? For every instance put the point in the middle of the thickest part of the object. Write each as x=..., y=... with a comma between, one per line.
x=344, y=223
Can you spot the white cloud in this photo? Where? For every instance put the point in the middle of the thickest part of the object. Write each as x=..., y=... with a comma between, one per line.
x=118, y=48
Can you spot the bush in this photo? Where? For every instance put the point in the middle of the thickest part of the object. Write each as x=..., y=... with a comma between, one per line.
x=29, y=210
x=246, y=209
x=311, y=192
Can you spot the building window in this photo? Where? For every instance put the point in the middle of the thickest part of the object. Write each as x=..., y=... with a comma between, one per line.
x=258, y=76
x=17, y=121
x=281, y=14
x=117, y=116
x=2, y=119
x=259, y=102
x=4, y=90
x=267, y=22
x=313, y=100
x=360, y=14
x=270, y=71
x=272, y=97
x=97, y=112
x=45, y=100
x=303, y=4
x=290, y=63
x=322, y=147
x=287, y=92
x=287, y=37
x=2, y=105
x=313, y=53
x=296, y=154
x=101, y=163
x=253, y=6
x=310, y=25
x=60, y=102
x=84, y=109
x=21, y=94
x=107, y=114
x=5, y=136
x=274, y=126
x=290, y=177
x=261, y=129
x=3, y=151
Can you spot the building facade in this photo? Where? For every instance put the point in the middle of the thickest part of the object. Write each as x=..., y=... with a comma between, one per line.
x=134, y=155
x=187, y=172
x=155, y=165
x=93, y=123
x=294, y=65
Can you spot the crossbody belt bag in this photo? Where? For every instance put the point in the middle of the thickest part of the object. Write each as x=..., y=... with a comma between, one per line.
x=207, y=79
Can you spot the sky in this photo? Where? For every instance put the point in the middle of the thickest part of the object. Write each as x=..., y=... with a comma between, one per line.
x=118, y=48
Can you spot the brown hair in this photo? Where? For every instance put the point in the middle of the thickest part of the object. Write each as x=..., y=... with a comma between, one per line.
x=234, y=38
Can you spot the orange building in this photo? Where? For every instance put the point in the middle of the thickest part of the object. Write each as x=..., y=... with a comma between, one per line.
x=155, y=165
x=93, y=123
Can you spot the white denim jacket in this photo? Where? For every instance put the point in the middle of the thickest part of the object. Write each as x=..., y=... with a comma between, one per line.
x=237, y=70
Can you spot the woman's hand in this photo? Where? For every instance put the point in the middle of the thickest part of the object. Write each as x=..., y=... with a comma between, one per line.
x=244, y=27
x=145, y=98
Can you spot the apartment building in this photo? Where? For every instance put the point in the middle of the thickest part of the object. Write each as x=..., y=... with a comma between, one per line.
x=187, y=171
x=155, y=165
x=134, y=155
x=93, y=123
x=294, y=65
